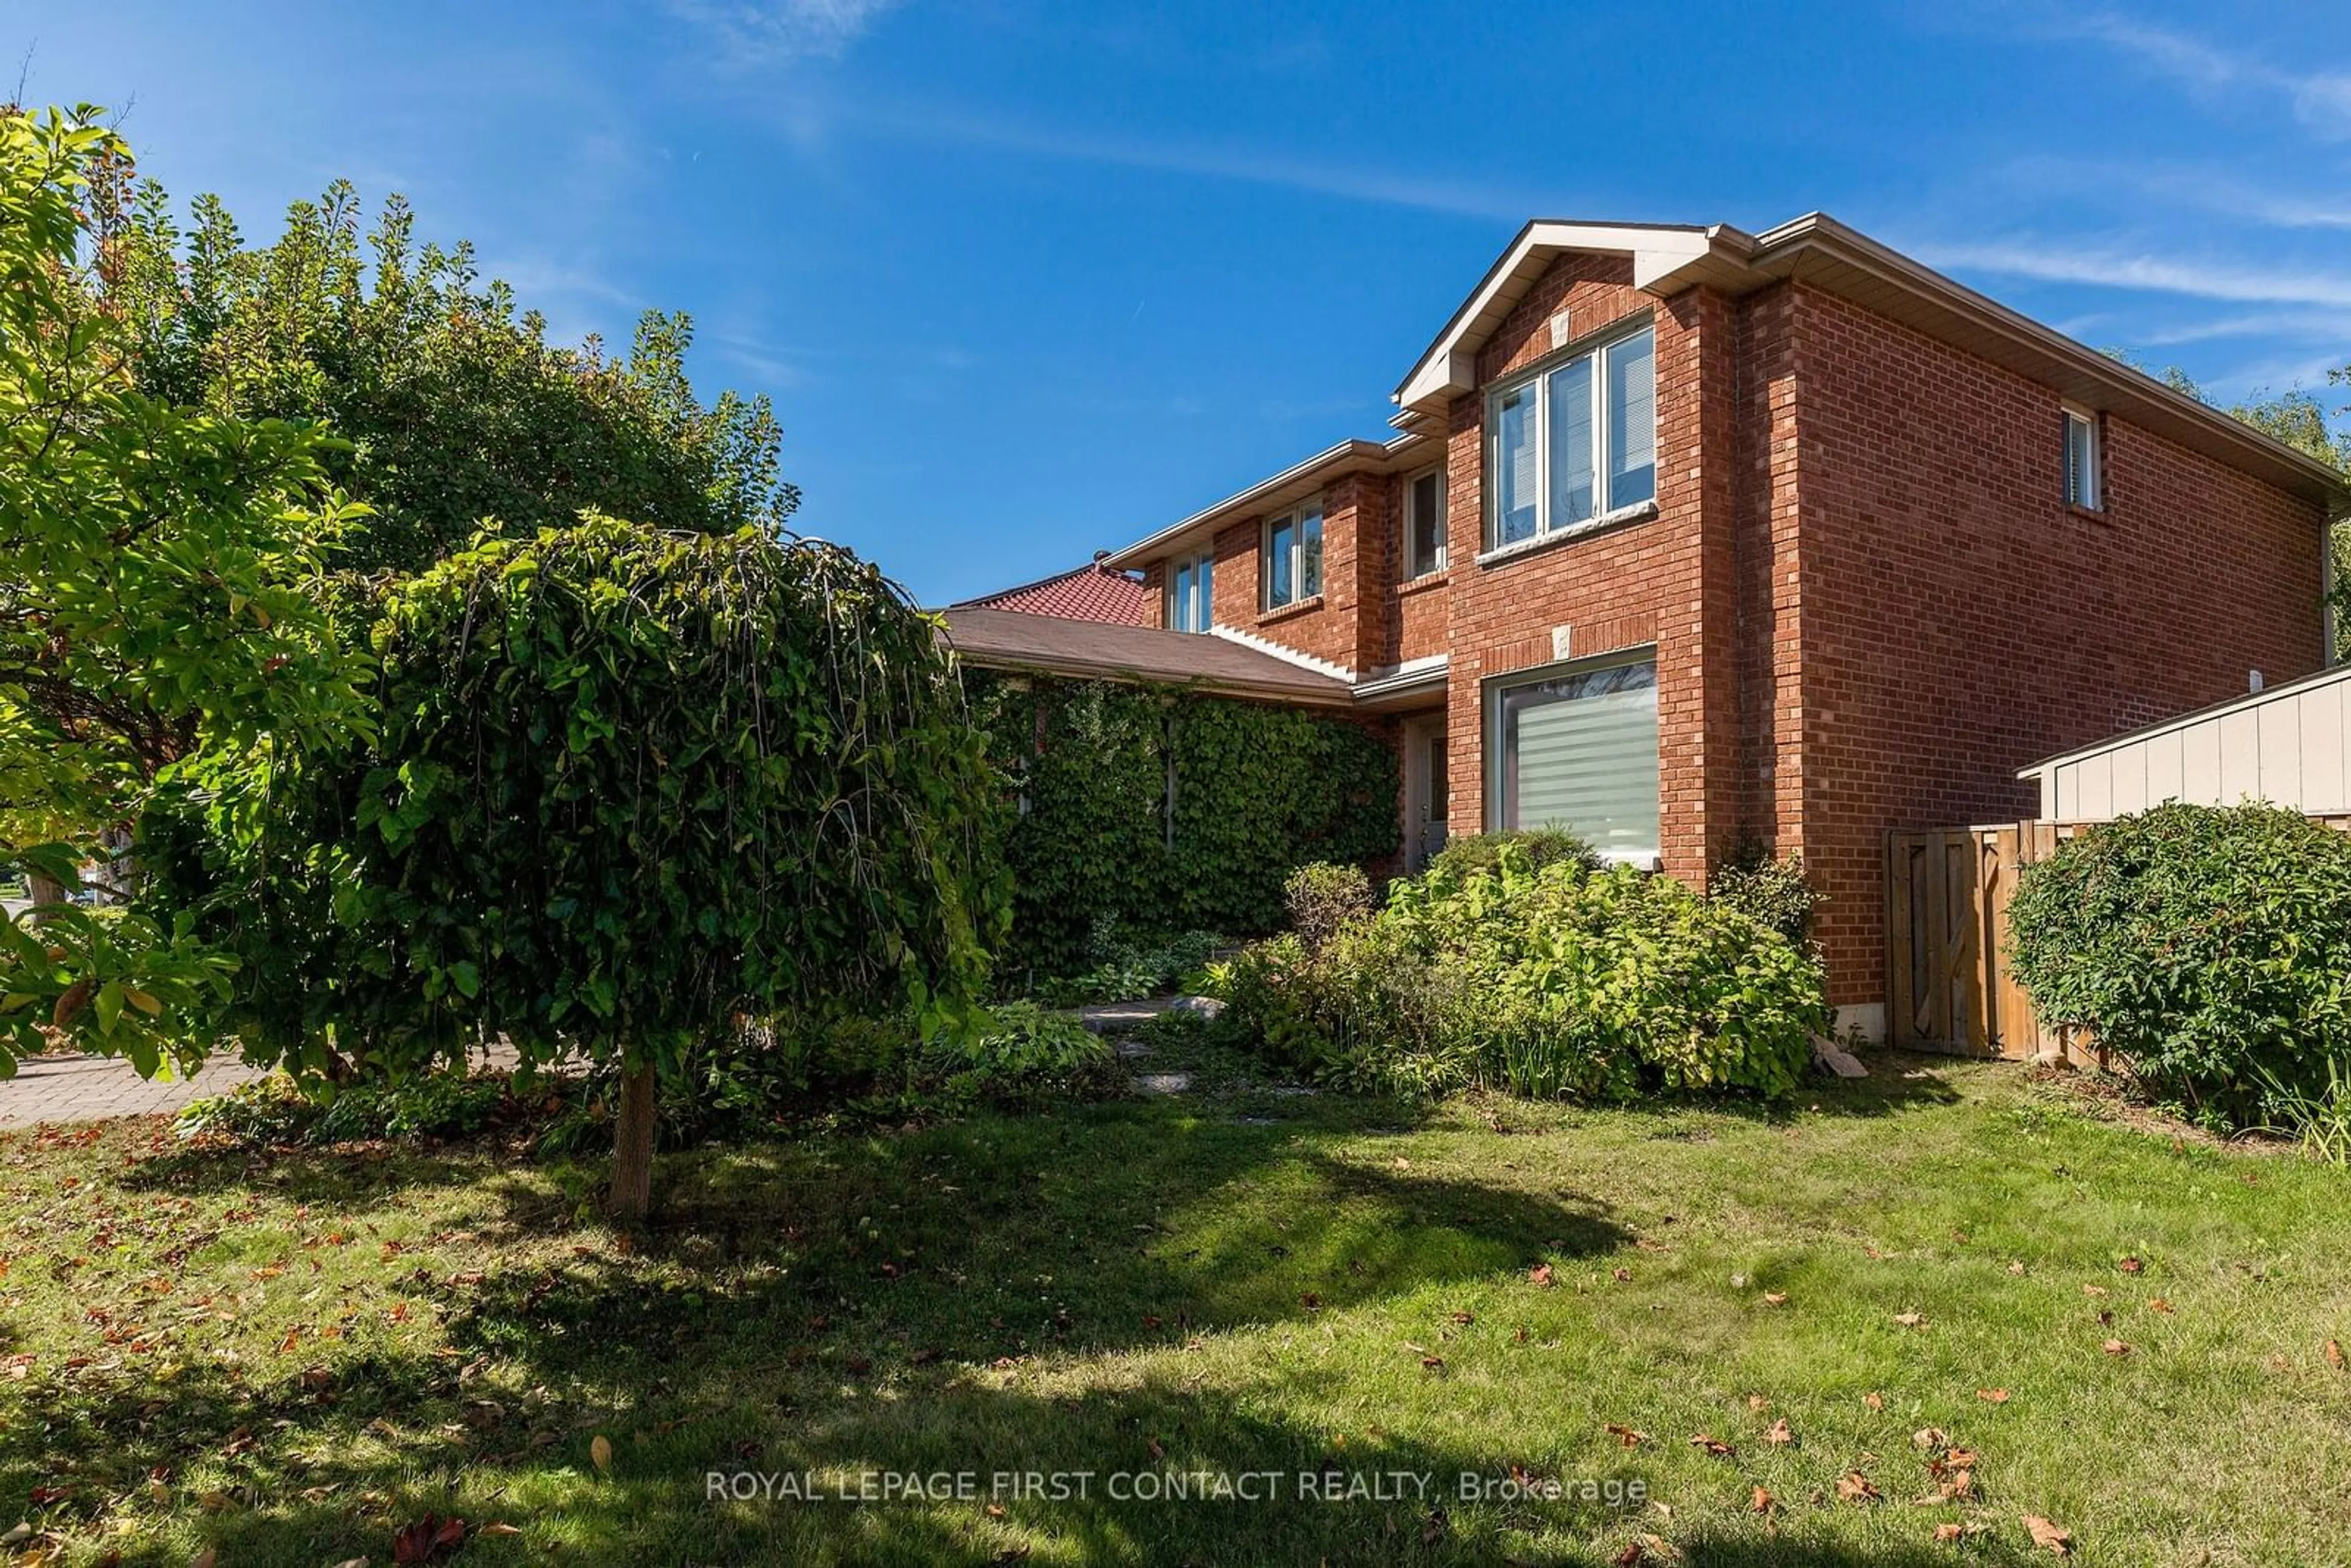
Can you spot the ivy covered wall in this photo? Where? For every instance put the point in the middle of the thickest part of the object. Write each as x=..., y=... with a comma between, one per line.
x=1166, y=810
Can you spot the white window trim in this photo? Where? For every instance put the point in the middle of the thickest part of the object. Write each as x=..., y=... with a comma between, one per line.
x=2095, y=497
x=1412, y=523
x=1207, y=607
x=1495, y=742
x=1298, y=595
x=1595, y=349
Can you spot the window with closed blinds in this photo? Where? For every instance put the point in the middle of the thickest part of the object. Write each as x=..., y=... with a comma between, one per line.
x=1579, y=751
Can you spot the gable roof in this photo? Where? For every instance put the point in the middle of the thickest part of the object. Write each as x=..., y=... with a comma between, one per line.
x=1094, y=591
x=1824, y=254
x=1297, y=482
x=1014, y=640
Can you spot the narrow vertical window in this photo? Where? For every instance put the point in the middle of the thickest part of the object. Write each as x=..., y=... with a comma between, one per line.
x=1632, y=422
x=1292, y=569
x=2084, y=484
x=1191, y=598
x=1425, y=524
x=1571, y=443
x=1515, y=460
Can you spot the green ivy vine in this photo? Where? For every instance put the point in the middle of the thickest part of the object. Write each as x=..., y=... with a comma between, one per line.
x=1161, y=808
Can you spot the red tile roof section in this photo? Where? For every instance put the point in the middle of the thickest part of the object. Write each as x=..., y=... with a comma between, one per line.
x=1091, y=593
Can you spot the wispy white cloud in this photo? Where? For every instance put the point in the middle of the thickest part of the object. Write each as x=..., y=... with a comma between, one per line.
x=2119, y=267
x=756, y=31
x=2205, y=186
x=2320, y=99
x=1252, y=165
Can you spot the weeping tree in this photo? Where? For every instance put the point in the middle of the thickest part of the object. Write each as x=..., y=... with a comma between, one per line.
x=633, y=791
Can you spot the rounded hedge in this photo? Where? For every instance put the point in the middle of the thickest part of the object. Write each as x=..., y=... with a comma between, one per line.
x=2209, y=948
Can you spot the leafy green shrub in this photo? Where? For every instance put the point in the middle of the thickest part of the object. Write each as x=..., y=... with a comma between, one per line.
x=430, y=1105
x=1539, y=846
x=2207, y=947
x=1772, y=892
x=1029, y=1055
x=1556, y=980
x=1325, y=899
x=1128, y=963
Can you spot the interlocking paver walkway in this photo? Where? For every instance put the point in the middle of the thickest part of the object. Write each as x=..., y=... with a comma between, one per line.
x=92, y=1088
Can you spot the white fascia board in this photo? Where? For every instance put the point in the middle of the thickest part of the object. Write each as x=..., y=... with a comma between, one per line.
x=1660, y=254
x=1348, y=457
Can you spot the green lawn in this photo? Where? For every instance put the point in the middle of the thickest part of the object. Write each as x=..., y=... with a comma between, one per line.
x=288, y=1357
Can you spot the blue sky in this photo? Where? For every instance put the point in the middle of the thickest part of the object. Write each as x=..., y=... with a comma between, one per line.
x=1029, y=278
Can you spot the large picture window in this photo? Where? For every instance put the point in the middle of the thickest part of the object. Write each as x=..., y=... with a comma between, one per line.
x=1575, y=444
x=1576, y=747
x=1293, y=556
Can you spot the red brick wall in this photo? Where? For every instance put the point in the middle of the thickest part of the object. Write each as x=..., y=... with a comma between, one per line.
x=1959, y=620
x=1636, y=582
x=1869, y=601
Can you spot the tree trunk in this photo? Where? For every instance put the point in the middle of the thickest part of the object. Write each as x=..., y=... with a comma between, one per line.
x=41, y=891
x=633, y=1146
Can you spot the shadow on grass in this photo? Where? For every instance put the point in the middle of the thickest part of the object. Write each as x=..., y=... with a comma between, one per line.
x=992, y=1295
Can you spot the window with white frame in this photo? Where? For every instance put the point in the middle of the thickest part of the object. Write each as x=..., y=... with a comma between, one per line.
x=1424, y=523
x=1292, y=557
x=2084, y=484
x=1191, y=593
x=1575, y=747
x=1576, y=442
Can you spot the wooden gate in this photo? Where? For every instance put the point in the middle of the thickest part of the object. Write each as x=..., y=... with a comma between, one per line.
x=1947, y=983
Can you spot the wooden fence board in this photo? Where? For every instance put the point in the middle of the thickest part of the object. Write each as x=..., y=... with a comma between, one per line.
x=1948, y=891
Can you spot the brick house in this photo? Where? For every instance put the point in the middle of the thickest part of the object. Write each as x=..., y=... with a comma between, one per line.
x=1694, y=540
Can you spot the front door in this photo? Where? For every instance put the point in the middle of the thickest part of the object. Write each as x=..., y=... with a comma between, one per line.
x=1425, y=794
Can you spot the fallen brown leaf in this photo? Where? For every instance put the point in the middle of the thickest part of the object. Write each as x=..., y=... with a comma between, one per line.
x=1627, y=1435
x=427, y=1539
x=1779, y=1433
x=1540, y=1275
x=2056, y=1541
x=1712, y=1445
x=1873, y=1401
x=1775, y=1298
x=1992, y=1396
x=1855, y=1487
x=1911, y=1320
x=1762, y=1501
x=2334, y=1354
x=2115, y=1347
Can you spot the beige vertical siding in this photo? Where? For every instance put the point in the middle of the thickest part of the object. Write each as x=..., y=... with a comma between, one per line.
x=2291, y=746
